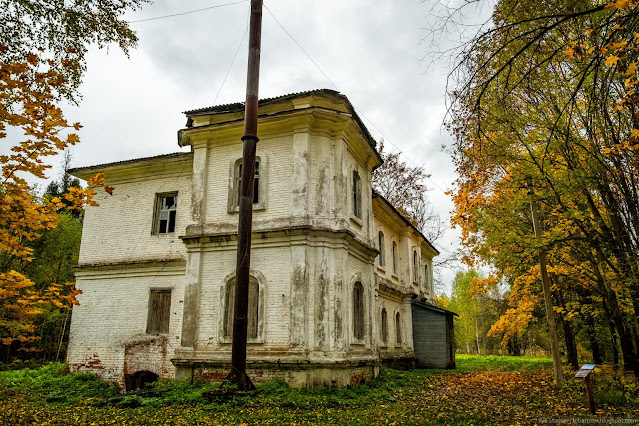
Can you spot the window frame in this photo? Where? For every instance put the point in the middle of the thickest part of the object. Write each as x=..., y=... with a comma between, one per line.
x=384, y=328
x=359, y=315
x=394, y=249
x=398, y=329
x=157, y=212
x=415, y=268
x=357, y=195
x=235, y=164
x=257, y=279
x=381, y=257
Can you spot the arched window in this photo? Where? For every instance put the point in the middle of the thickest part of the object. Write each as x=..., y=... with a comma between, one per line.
x=358, y=310
x=415, y=268
x=426, y=276
x=382, y=251
x=256, y=182
x=357, y=195
x=253, y=308
x=394, y=257
x=384, y=326
x=259, y=183
x=398, y=328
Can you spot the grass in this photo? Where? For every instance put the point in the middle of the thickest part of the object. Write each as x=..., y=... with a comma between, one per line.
x=482, y=390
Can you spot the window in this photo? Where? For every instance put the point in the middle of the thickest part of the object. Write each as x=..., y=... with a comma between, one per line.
x=398, y=328
x=259, y=184
x=382, y=252
x=358, y=310
x=165, y=212
x=394, y=257
x=415, y=268
x=253, y=308
x=256, y=182
x=357, y=195
x=159, y=312
x=426, y=277
x=384, y=326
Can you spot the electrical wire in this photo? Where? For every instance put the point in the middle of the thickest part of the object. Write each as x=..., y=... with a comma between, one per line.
x=356, y=109
x=187, y=13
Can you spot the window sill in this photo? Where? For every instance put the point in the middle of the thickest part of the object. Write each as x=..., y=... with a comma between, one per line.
x=256, y=207
x=357, y=221
x=380, y=269
x=250, y=341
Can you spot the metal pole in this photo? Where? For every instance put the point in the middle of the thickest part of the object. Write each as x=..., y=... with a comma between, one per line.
x=238, y=374
x=545, y=283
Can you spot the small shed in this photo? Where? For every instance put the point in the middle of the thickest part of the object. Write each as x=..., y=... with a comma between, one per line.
x=433, y=336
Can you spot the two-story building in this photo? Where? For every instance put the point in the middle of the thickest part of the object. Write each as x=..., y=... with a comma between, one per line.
x=337, y=274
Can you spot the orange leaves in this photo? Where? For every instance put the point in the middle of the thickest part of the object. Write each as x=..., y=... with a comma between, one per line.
x=482, y=285
x=621, y=4
x=97, y=180
x=612, y=60
x=28, y=104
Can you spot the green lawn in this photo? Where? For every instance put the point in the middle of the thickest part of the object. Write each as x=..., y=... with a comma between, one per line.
x=482, y=390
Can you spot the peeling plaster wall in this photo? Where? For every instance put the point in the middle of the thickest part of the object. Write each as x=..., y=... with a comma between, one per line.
x=108, y=329
x=278, y=174
x=119, y=229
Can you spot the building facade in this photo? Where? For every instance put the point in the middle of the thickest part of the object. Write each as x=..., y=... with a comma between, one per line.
x=334, y=267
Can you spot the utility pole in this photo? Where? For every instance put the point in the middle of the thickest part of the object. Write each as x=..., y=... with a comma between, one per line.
x=238, y=374
x=545, y=283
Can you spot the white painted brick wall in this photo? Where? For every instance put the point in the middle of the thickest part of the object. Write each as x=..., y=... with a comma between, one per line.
x=119, y=229
x=113, y=312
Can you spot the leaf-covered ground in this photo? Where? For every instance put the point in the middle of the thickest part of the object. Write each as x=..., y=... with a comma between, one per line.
x=483, y=390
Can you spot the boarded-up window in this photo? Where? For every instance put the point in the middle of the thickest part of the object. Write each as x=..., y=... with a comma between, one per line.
x=398, y=328
x=159, y=312
x=358, y=310
x=165, y=213
x=357, y=195
x=384, y=326
x=253, y=308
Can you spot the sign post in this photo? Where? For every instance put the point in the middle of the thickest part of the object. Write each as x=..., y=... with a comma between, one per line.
x=584, y=373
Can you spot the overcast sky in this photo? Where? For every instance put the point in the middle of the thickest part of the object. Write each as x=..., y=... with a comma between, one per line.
x=370, y=50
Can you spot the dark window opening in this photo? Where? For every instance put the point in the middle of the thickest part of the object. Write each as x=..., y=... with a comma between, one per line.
x=394, y=257
x=165, y=213
x=384, y=326
x=382, y=252
x=357, y=195
x=358, y=310
x=398, y=328
x=256, y=183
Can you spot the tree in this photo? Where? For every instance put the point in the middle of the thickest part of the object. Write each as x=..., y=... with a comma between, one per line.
x=548, y=92
x=64, y=30
x=28, y=93
x=403, y=186
x=43, y=45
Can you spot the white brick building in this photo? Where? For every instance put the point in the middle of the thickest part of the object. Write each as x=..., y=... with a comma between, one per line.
x=335, y=269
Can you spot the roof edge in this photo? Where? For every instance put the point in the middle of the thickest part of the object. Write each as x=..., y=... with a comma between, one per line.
x=406, y=221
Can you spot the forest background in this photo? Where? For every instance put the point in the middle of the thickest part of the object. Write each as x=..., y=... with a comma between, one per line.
x=543, y=107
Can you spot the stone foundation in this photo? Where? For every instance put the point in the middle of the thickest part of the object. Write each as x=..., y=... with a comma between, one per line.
x=297, y=374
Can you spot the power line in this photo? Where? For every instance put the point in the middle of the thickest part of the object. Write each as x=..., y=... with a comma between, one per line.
x=356, y=109
x=187, y=13
x=234, y=57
